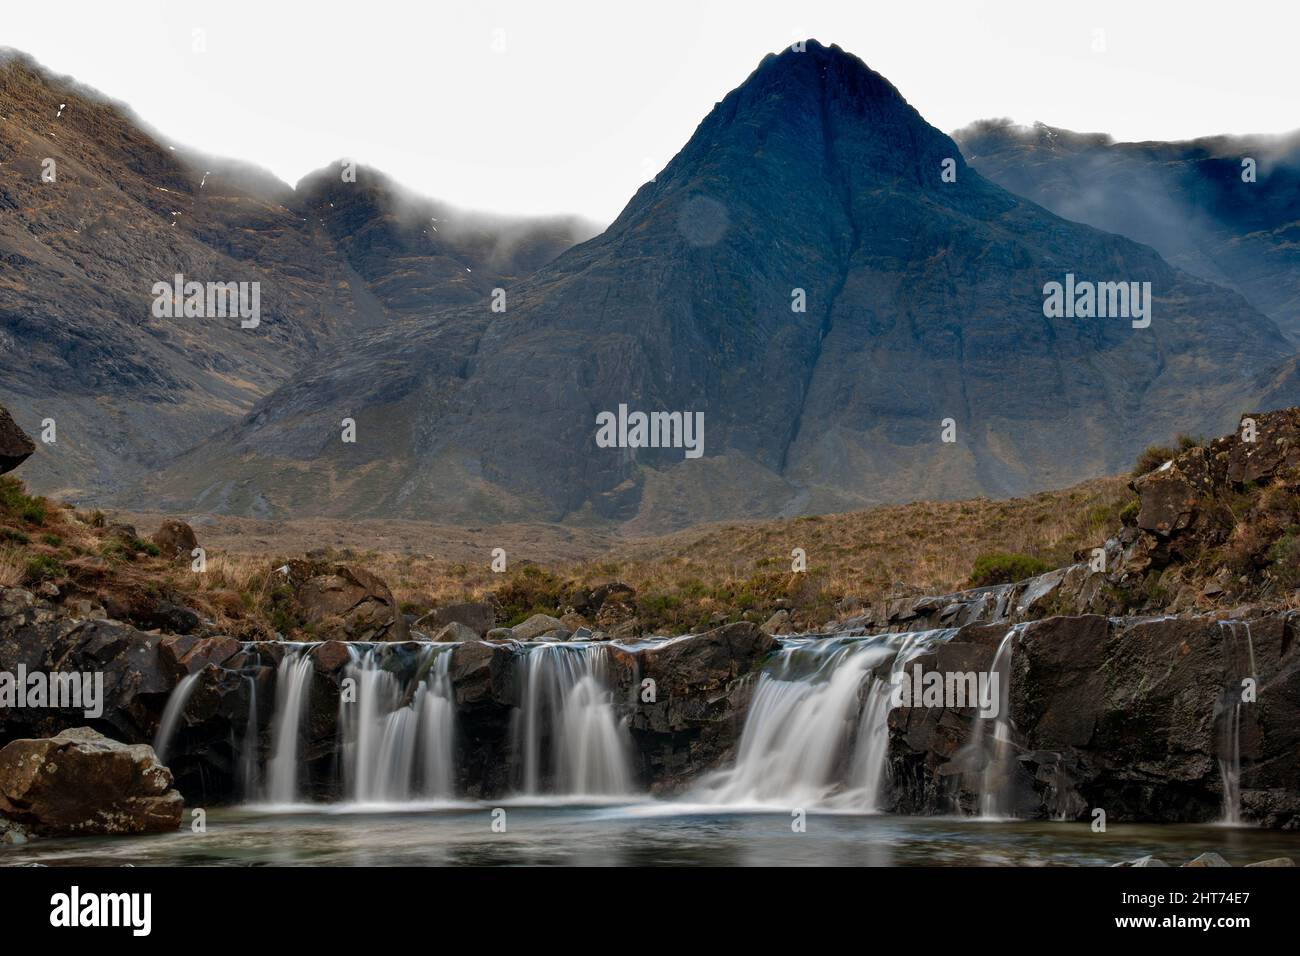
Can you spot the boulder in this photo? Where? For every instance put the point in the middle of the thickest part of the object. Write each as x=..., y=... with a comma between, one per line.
x=778, y=623
x=1144, y=861
x=478, y=616
x=15, y=445
x=536, y=626
x=175, y=539
x=455, y=632
x=1275, y=861
x=706, y=662
x=343, y=603
x=81, y=782
x=500, y=634
x=1208, y=859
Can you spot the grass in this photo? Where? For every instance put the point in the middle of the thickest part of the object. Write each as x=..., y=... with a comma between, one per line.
x=688, y=580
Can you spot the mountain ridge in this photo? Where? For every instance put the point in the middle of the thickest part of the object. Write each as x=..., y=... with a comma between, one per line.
x=924, y=303
x=80, y=255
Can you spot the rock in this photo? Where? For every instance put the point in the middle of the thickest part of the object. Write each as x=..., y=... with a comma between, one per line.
x=778, y=623
x=48, y=590
x=479, y=616
x=557, y=636
x=572, y=621
x=705, y=661
x=1276, y=861
x=536, y=626
x=1144, y=861
x=343, y=603
x=456, y=632
x=15, y=445
x=12, y=834
x=498, y=634
x=170, y=618
x=122, y=532
x=331, y=657
x=81, y=782
x=175, y=539
x=1208, y=859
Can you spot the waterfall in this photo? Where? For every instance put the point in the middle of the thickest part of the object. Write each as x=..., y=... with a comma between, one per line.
x=398, y=735
x=567, y=738
x=1228, y=711
x=810, y=738
x=248, y=746
x=994, y=790
x=171, y=715
x=871, y=755
x=292, y=683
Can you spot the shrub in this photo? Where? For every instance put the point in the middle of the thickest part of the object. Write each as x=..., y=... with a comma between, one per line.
x=1284, y=560
x=1001, y=568
x=41, y=568
x=1129, y=513
x=15, y=501
x=1152, y=458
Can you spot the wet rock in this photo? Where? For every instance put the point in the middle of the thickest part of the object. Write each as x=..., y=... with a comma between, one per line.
x=175, y=540
x=1144, y=861
x=331, y=657
x=1208, y=859
x=15, y=444
x=689, y=717
x=81, y=782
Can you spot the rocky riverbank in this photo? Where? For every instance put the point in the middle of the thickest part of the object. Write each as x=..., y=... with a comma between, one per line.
x=1157, y=679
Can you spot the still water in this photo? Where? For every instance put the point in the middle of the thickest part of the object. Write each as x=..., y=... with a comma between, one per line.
x=653, y=833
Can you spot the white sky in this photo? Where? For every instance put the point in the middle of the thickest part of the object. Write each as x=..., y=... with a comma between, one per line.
x=589, y=99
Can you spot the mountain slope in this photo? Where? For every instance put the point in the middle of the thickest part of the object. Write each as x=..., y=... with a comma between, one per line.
x=1188, y=200
x=924, y=302
x=79, y=257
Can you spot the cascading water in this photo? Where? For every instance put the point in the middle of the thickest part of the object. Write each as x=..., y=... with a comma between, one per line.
x=292, y=682
x=1228, y=713
x=994, y=795
x=172, y=714
x=810, y=739
x=568, y=739
x=398, y=735
x=248, y=746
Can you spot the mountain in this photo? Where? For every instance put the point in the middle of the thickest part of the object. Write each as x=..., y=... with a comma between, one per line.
x=924, y=302
x=79, y=257
x=1187, y=199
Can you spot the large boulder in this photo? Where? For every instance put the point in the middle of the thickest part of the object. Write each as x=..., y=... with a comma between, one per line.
x=15, y=445
x=479, y=616
x=455, y=632
x=342, y=603
x=81, y=782
x=536, y=626
x=175, y=539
